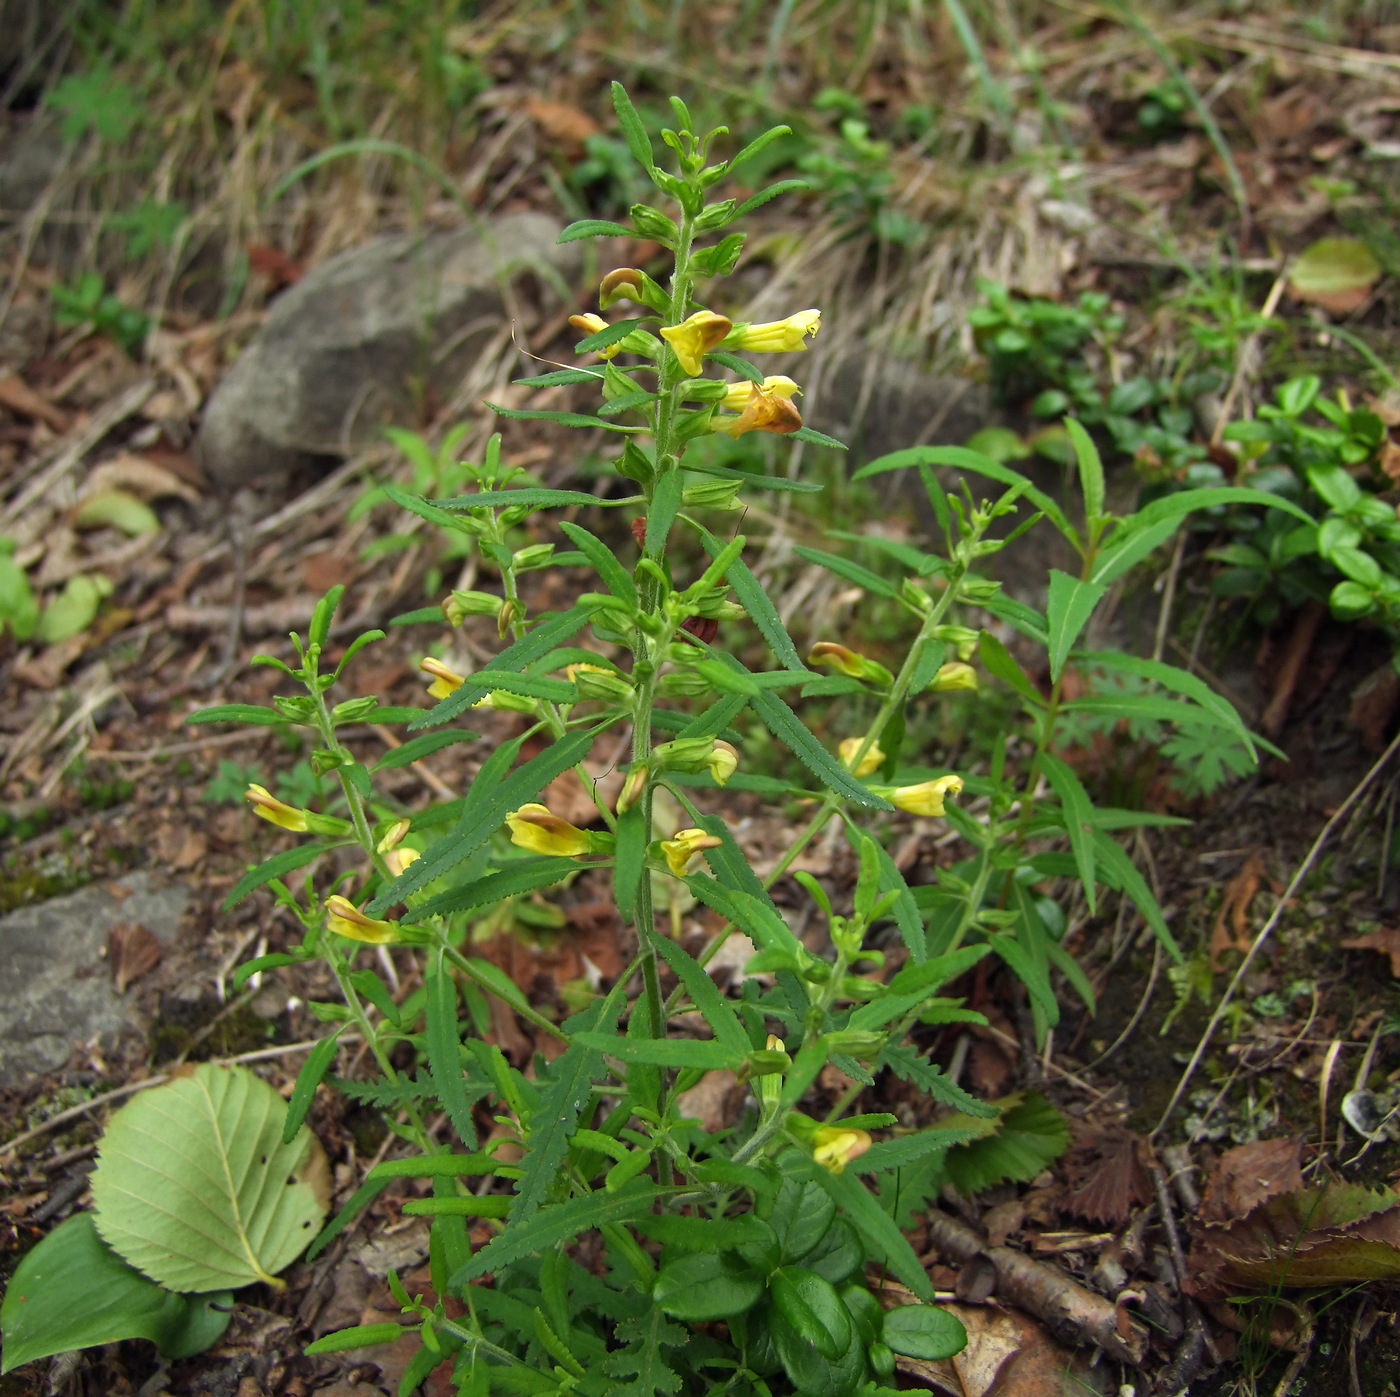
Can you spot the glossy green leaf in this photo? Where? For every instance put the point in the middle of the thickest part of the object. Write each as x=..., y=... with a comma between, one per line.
x=706, y=1286
x=923, y=1331
x=1067, y=611
x=810, y=1305
x=71, y=1291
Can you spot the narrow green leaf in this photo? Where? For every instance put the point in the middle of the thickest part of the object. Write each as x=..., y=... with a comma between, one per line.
x=1118, y=871
x=665, y=505
x=876, y=1227
x=559, y=378
x=424, y=745
x=288, y=861
x=1090, y=470
x=705, y=995
x=755, y=600
x=272, y=961
x=538, y=641
x=740, y=366
x=909, y=1149
x=560, y=1222
x=484, y=816
x=1077, y=810
x=818, y=438
x=753, y=481
x=630, y=861
x=1071, y=603
x=1187, y=501
x=565, y=419
x=850, y=572
x=317, y=1064
x=610, y=335
x=539, y=686
x=357, y=1336
x=615, y=577
x=1172, y=677
x=755, y=201
x=1026, y=957
x=666, y=1052
x=574, y=1072
x=593, y=228
x=906, y=1064
x=1129, y=547
x=638, y=142
x=758, y=921
x=444, y=1041
x=1002, y=665
x=252, y=713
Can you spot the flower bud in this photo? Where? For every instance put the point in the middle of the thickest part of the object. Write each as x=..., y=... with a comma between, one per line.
x=396, y=860
x=723, y=762
x=684, y=684
x=459, y=605
x=352, y=710
x=871, y=762
x=653, y=224
x=631, y=284
x=632, y=787
x=712, y=494
x=764, y=410
x=848, y=662
x=345, y=919
x=963, y=639
x=598, y=682
x=684, y=845
x=393, y=836
x=533, y=555
x=954, y=676
x=737, y=395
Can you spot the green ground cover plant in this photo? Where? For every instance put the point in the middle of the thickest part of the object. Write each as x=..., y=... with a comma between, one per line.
x=745, y=1259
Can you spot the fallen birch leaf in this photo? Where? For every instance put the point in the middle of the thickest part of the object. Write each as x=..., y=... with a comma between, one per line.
x=1250, y=1175
x=132, y=951
x=1334, y=273
x=1384, y=939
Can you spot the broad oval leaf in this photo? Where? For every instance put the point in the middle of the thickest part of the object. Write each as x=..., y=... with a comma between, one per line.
x=706, y=1285
x=72, y=1291
x=195, y=1188
x=923, y=1331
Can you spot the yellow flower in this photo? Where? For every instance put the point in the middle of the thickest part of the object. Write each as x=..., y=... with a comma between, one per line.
x=590, y=324
x=445, y=681
x=276, y=811
x=924, y=799
x=537, y=828
x=953, y=676
x=774, y=1044
x=871, y=762
x=835, y=1146
x=737, y=397
x=396, y=860
x=632, y=787
x=723, y=762
x=686, y=843
x=695, y=337
x=774, y=336
x=765, y=410
x=345, y=919
x=393, y=836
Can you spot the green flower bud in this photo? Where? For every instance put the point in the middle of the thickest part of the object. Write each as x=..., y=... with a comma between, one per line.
x=353, y=710
x=459, y=605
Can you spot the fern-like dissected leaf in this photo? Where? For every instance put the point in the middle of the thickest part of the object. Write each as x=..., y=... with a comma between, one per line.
x=642, y=1360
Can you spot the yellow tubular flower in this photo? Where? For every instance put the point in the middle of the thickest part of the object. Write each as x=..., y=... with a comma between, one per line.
x=764, y=411
x=445, y=681
x=345, y=919
x=848, y=662
x=393, y=836
x=871, y=762
x=695, y=337
x=684, y=846
x=276, y=811
x=926, y=798
x=590, y=324
x=723, y=762
x=396, y=860
x=537, y=828
x=737, y=398
x=954, y=676
x=774, y=336
x=834, y=1146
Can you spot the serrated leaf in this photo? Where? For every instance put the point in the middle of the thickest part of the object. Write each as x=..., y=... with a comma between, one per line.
x=565, y=419
x=575, y=1070
x=615, y=577
x=195, y=1188
x=560, y=1222
x=517, y=877
x=444, y=1042
x=665, y=1052
x=424, y=745
x=755, y=600
x=705, y=995
x=71, y=1291
x=317, y=1064
x=906, y=1064
x=1030, y=1136
x=641, y=1359
x=593, y=228
x=910, y=1149
x=239, y=713
x=848, y=571
x=532, y=497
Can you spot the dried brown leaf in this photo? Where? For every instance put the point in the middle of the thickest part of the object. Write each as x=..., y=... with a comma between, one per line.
x=1248, y=1175
x=1106, y=1177
x=1384, y=939
x=132, y=951
x=1231, y=929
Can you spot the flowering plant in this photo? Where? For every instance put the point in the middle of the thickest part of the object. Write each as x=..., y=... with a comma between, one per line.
x=766, y=1222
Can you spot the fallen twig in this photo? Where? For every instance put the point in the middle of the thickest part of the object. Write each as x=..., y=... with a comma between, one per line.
x=1071, y=1313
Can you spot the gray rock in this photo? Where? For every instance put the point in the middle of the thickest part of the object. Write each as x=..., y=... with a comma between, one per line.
x=56, y=988
x=353, y=345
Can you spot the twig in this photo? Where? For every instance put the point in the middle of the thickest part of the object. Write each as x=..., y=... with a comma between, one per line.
x=1069, y=1311
x=131, y=1088
x=1267, y=930
x=1164, y=616
x=1248, y=353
